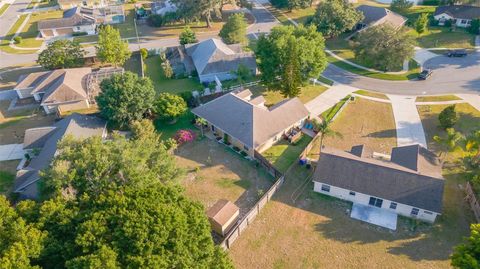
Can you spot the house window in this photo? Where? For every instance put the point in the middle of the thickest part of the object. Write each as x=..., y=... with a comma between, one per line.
x=352, y=193
x=414, y=211
x=78, y=28
x=463, y=22
x=325, y=188
x=427, y=212
x=393, y=205
x=213, y=128
x=375, y=202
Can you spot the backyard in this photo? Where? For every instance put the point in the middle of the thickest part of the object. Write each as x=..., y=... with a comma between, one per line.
x=362, y=122
x=283, y=154
x=214, y=171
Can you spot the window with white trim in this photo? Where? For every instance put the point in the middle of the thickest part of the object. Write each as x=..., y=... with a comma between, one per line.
x=393, y=205
x=414, y=212
x=325, y=188
x=352, y=193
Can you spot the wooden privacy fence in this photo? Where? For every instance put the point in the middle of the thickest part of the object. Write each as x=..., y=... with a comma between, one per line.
x=472, y=200
x=242, y=224
x=267, y=165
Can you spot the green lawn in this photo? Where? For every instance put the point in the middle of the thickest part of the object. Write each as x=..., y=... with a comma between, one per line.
x=283, y=154
x=168, y=130
x=6, y=181
x=325, y=80
x=5, y=42
x=372, y=94
x=4, y=8
x=442, y=37
x=438, y=98
x=330, y=113
x=30, y=32
x=162, y=84
x=42, y=3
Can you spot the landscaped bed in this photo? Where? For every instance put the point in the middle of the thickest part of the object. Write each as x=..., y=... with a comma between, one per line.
x=283, y=154
x=214, y=171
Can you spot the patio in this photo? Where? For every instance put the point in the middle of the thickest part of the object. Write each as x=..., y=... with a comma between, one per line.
x=374, y=215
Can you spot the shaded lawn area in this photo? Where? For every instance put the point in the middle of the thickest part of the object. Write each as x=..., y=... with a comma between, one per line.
x=309, y=232
x=438, y=98
x=272, y=97
x=168, y=130
x=362, y=122
x=442, y=37
x=215, y=172
x=283, y=154
x=8, y=170
x=162, y=84
x=30, y=32
x=372, y=94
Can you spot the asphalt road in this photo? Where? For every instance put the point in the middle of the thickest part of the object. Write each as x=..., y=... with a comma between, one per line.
x=450, y=75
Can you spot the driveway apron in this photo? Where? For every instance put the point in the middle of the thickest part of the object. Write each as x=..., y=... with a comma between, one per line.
x=407, y=121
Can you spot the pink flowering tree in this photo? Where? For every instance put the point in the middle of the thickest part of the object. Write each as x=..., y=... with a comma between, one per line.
x=183, y=136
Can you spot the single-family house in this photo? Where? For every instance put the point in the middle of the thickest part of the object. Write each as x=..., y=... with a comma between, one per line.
x=214, y=59
x=459, y=15
x=105, y=15
x=374, y=16
x=63, y=90
x=223, y=216
x=68, y=4
x=45, y=140
x=73, y=21
x=247, y=123
x=163, y=7
x=410, y=184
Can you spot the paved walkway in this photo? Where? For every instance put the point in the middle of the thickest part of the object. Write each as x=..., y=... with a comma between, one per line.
x=329, y=98
x=472, y=99
x=11, y=152
x=407, y=121
x=423, y=55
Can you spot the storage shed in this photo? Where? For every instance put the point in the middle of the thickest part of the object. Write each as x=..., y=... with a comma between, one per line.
x=222, y=216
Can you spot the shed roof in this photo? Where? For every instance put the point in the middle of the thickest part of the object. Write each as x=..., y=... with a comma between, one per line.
x=388, y=180
x=222, y=211
x=252, y=124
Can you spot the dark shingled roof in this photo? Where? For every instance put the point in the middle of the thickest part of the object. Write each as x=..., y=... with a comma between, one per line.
x=459, y=12
x=378, y=15
x=71, y=17
x=387, y=180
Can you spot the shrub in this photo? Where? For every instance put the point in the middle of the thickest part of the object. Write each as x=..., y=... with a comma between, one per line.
x=448, y=117
x=188, y=98
x=236, y=148
x=448, y=23
x=79, y=33
x=184, y=136
x=170, y=106
x=244, y=154
x=17, y=39
x=144, y=53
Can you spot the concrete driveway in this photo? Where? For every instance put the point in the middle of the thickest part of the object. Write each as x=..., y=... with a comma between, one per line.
x=11, y=152
x=407, y=121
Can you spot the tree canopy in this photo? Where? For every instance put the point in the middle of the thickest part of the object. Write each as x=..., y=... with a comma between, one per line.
x=292, y=4
x=125, y=98
x=170, y=106
x=385, y=46
x=401, y=5
x=448, y=117
x=187, y=36
x=61, y=53
x=467, y=254
x=421, y=24
x=235, y=30
x=110, y=47
x=280, y=70
x=334, y=17
x=191, y=10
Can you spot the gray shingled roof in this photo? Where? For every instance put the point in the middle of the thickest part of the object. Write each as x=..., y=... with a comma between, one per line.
x=459, y=11
x=381, y=179
x=71, y=18
x=378, y=15
x=77, y=125
x=251, y=124
x=213, y=56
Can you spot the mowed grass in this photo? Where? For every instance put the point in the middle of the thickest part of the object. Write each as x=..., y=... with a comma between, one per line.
x=162, y=84
x=443, y=37
x=29, y=32
x=215, y=172
x=437, y=98
x=4, y=8
x=5, y=42
x=272, y=97
x=283, y=154
x=362, y=122
x=372, y=94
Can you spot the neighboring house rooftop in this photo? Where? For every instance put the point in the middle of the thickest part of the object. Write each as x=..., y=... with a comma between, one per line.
x=214, y=56
x=379, y=15
x=71, y=18
x=251, y=122
x=58, y=86
x=77, y=125
x=459, y=11
x=412, y=177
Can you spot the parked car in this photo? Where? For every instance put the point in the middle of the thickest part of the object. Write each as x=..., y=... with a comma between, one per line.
x=457, y=53
x=425, y=74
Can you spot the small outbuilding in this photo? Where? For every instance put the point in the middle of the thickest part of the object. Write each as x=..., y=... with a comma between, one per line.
x=222, y=216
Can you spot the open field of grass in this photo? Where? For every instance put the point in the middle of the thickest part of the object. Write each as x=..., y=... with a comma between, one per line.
x=283, y=154
x=163, y=84
x=214, y=171
x=371, y=94
x=437, y=98
x=30, y=32
x=363, y=122
x=308, y=93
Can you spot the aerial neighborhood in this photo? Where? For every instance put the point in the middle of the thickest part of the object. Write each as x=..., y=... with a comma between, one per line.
x=239, y=134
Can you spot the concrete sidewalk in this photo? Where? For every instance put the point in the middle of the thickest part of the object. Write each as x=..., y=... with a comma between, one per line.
x=407, y=121
x=11, y=152
x=329, y=98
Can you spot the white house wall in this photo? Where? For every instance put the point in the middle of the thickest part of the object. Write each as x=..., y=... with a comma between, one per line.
x=363, y=199
x=459, y=22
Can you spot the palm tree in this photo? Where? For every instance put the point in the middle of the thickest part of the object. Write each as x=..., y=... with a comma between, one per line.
x=472, y=145
x=201, y=122
x=450, y=142
x=325, y=131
